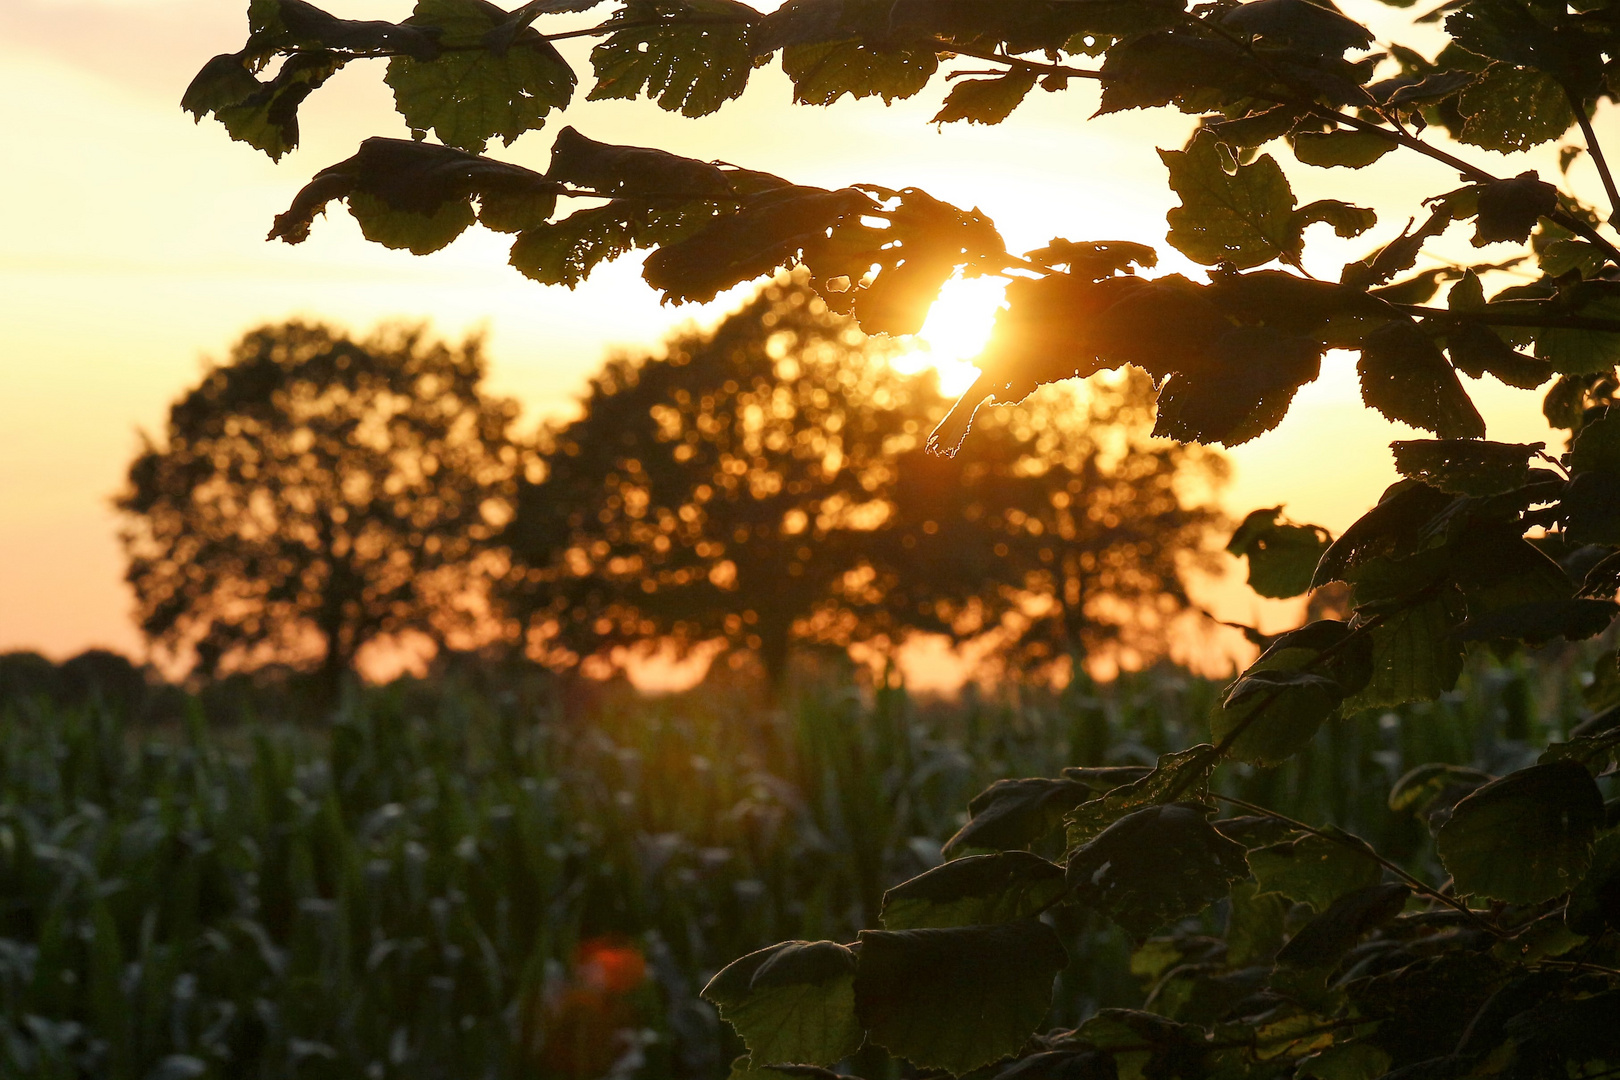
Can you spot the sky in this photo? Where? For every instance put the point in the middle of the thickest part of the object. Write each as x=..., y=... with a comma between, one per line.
x=132, y=250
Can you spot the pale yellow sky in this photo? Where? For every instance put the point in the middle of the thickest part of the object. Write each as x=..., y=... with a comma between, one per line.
x=131, y=247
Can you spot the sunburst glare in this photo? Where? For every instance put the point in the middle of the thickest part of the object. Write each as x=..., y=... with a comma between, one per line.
x=955, y=332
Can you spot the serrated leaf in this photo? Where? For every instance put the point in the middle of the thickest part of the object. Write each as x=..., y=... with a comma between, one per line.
x=986, y=101
x=1466, y=466
x=1315, y=870
x=1244, y=217
x=1154, y=865
x=1173, y=66
x=1184, y=773
x=262, y=114
x=1271, y=714
x=791, y=1003
x=1416, y=655
x=1319, y=30
x=1350, y=149
x=1240, y=389
x=1405, y=377
x=1282, y=556
x=1509, y=209
x=285, y=25
x=1421, y=788
x=1594, y=905
x=1584, y=352
x=687, y=66
x=957, y=998
x=1510, y=109
x=470, y=93
x=978, y=889
x=417, y=233
x=1540, y=622
x=1012, y=813
x=824, y=72
x=1526, y=837
x=565, y=252
x=1327, y=937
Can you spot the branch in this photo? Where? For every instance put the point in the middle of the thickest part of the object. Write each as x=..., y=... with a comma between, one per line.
x=1508, y=318
x=1593, y=148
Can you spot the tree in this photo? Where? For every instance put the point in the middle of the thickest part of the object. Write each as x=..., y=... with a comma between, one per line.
x=1391, y=973
x=1067, y=529
x=724, y=491
x=315, y=493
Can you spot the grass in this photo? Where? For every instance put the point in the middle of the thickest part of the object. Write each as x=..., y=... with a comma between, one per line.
x=459, y=880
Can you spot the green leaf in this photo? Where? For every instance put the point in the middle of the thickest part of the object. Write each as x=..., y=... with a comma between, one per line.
x=1347, y=220
x=1416, y=655
x=957, y=998
x=634, y=170
x=1013, y=813
x=1179, y=65
x=1145, y=1046
x=1509, y=209
x=262, y=114
x=1510, y=109
x=1315, y=870
x=791, y=1003
x=1271, y=714
x=1345, y=1061
x=419, y=233
x=1282, y=556
x=1405, y=377
x=471, y=93
x=1154, y=865
x=986, y=101
x=1526, y=837
x=1594, y=906
x=1322, y=941
x=1240, y=390
x=978, y=889
x=1584, y=352
x=286, y=25
x=1243, y=217
x=1466, y=466
x=1424, y=787
x=824, y=72
x=687, y=66
x=1351, y=149
x=566, y=251
x=1182, y=773
x=1319, y=30
x=1254, y=924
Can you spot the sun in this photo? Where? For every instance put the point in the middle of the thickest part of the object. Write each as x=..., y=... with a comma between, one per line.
x=957, y=327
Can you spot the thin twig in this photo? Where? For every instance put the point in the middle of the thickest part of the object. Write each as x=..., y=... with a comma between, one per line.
x=1592, y=147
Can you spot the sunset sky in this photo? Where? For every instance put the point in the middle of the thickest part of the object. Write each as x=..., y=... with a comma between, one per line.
x=132, y=249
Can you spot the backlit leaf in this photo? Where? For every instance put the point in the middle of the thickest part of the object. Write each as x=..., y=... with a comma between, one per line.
x=1282, y=556
x=1243, y=217
x=1466, y=466
x=1526, y=837
x=691, y=61
x=1315, y=870
x=1013, y=813
x=977, y=889
x=1178, y=775
x=793, y=1002
x=1405, y=377
x=1327, y=937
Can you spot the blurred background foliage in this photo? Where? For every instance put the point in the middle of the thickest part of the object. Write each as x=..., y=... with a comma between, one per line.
x=503, y=873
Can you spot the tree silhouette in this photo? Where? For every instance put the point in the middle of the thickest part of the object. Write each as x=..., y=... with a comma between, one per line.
x=725, y=490
x=1068, y=528
x=765, y=485
x=314, y=493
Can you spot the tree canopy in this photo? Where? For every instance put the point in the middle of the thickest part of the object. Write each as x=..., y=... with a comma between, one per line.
x=1500, y=955
x=765, y=484
x=314, y=493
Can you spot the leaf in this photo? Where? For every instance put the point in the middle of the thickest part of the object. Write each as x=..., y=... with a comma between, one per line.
x=1084, y=1063
x=688, y=66
x=1240, y=390
x=1390, y=530
x=1254, y=924
x=633, y=170
x=1154, y=865
x=1350, y=149
x=1594, y=906
x=957, y=998
x=1347, y=220
x=1510, y=109
x=1346, y=1061
x=285, y=25
x=770, y=230
x=1147, y=1046
x=262, y=114
x=986, y=101
x=824, y=72
x=1315, y=870
x=1003, y=887
x=1012, y=813
x=1312, y=27
x=1540, y=622
x=1282, y=556
x=792, y=1002
x=1584, y=352
x=1244, y=217
x=1406, y=378
x=1509, y=209
x=1326, y=938
x=471, y=93
x=1526, y=837
x=1466, y=466
x=1270, y=715
x=1416, y=655
x=1183, y=772
x=565, y=252
x=1425, y=787
x=1590, y=508
x=1176, y=66
x=419, y=196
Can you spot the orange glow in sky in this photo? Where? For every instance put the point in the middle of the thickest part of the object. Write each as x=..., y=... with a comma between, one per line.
x=133, y=248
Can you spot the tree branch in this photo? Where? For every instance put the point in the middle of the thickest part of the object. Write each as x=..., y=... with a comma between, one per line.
x=1596, y=150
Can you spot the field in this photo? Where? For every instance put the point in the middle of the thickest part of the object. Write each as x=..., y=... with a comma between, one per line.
x=486, y=878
